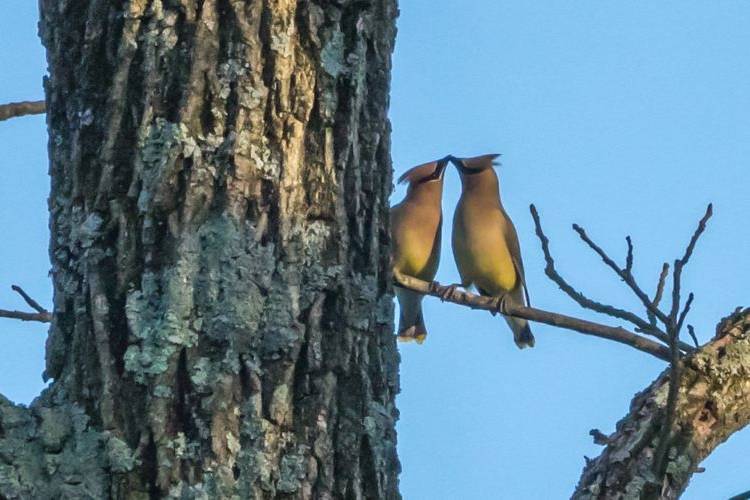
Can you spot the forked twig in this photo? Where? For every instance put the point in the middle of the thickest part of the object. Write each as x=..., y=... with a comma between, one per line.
x=676, y=320
x=41, y=315
x=642, y=325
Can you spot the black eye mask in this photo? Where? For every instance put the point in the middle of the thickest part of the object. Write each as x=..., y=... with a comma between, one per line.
x=438, y=172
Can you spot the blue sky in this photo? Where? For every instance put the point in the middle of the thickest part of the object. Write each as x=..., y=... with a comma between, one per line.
x=625, y=117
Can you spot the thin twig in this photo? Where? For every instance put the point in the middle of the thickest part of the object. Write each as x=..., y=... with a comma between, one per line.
x=682, y=262
x=532, y=314
x=629, y=258
x=41, y=315
x=659, y=291
x=684, y=313
x=15, y=109
x=31, y=302
x=673, y=328
x=697, y=234
x=628, y=279
x=574, y=294
x=691, y=331
x=585, y=302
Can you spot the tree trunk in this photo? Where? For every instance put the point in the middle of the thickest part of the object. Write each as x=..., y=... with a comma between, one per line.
x=713, y=403
x=219, y=215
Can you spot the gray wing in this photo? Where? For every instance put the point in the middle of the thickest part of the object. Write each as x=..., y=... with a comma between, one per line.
x=515, y=251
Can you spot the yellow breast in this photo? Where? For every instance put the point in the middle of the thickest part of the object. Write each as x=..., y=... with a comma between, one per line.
x=416, y=243
x=481, y=251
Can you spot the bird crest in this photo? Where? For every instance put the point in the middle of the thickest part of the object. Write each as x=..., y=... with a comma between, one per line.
x=424, y=172
x=478, y=162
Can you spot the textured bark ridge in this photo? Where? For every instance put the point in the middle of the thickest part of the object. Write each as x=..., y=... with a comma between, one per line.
x=223, y=317
x=712, y=405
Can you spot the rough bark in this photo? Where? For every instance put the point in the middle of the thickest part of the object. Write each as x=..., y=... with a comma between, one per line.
x=713, y=403
x=222, y=309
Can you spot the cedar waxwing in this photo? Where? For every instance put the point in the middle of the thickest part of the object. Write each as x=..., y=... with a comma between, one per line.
x=415, y=231
x=485, y=244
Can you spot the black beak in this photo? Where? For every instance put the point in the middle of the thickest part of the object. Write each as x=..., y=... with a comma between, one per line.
x=457, y=162
x=441, y=164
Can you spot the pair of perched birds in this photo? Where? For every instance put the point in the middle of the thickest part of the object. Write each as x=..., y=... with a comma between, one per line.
x=485, y=243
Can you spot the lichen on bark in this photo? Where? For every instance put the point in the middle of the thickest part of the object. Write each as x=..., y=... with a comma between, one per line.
x=219, y=215
x=713, y=404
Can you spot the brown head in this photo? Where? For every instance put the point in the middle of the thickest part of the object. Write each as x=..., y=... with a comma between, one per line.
x=426, y=180
x=478, y=173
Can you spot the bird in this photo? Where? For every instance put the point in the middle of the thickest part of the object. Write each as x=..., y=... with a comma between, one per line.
x=485, y=243
x=416, y=223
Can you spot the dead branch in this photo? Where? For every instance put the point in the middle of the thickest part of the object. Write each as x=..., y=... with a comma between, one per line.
x=587, y=303
x=672, y=321
x=629, y=258
x=691, y=331
x=715, y=409
x=41, y=315
x=16, y=109
x=627, y=277
x=659, y=291
x=673, y=328
x=473, y=301
x=24, y=316
x=31, y=302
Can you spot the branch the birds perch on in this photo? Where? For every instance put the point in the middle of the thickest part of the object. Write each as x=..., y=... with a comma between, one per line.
x=669, y=347
x=16, y=109
x=41, y=315
x=473, y=301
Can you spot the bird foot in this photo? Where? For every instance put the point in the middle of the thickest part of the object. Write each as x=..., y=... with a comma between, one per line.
x=444, y=292
x=499, y=304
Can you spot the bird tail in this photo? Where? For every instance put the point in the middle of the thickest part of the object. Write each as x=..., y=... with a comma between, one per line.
x=522, y=335
x=411, y=321
x=521, y=331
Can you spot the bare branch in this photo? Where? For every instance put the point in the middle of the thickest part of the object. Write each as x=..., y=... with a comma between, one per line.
x=660, y=454
x=551, y=272
x=532, y=314
x=691, y=331
x=698, y=232
x=31, y=302
x=673, y=328
x=574, y=294
x=41, y=315
x=715, y=409
x=684, y=313
x=659, y=291
x=742, y=496
x=674, y=377
x=628, y=279
x=23, y=316
x=15, y=109
x=629, y=258
x=682, y=262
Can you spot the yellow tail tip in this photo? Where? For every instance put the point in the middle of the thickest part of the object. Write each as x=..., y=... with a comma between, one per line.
x=419, y=339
